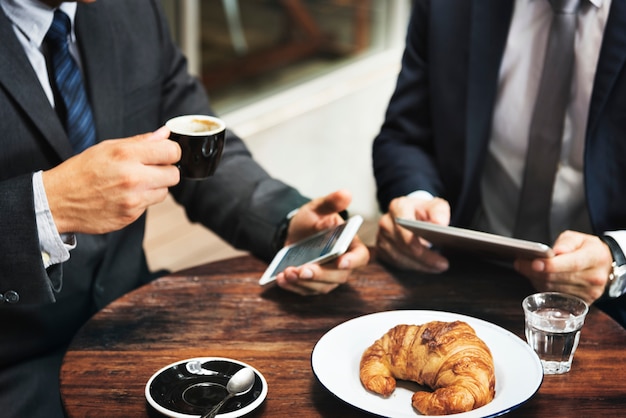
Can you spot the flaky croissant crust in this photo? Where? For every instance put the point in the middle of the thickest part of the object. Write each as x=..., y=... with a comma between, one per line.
x=448, y=357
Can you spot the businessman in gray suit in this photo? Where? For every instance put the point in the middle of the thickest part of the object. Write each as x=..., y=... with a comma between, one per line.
x=72, y=222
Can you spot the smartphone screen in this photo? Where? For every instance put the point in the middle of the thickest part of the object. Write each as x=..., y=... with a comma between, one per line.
x=321, y=247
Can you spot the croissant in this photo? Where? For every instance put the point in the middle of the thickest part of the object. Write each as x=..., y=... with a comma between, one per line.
x=448, y=357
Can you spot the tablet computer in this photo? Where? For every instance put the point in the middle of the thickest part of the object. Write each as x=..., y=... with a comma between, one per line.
x=490, y=245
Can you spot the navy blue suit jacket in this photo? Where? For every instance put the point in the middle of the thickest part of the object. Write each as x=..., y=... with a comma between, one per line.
x=437, y=125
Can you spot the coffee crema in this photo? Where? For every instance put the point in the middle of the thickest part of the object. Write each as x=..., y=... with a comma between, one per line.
x=195, y=125
x=202, y=125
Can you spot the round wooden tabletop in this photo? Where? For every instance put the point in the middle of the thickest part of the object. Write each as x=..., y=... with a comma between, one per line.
x=219, y=310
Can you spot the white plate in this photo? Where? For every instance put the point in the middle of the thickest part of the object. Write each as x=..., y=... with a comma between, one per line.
x=176, y=392
x=336, y=357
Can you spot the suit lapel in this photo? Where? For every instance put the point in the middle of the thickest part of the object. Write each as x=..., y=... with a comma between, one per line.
x=97, y=43
x=610, y=63
x=490, y=26
x=490, y=20
x=19, y=79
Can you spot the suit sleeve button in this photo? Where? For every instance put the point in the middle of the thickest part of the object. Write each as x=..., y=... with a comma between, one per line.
x=11, y=296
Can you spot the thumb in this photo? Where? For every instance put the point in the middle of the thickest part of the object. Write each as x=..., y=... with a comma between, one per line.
x=162, y=133
x=334, y=202
x=439, y=212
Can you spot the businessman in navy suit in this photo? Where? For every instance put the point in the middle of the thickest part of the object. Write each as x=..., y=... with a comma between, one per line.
x=72, y=224
x=452, y=147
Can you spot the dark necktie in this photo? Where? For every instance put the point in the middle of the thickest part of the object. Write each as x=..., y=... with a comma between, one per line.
x=546, y=128
x=69, y=85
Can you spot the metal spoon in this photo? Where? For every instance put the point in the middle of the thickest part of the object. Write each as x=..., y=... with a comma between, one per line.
x=239, y=383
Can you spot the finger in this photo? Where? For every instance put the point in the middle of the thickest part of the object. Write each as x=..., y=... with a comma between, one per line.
x=162, y=133
x=162, y=177
x=358, y=255
x=585, y=280
x=316, y=273
x=302, y=280
x=568, y=242
x=576, y=252
x=309, y=289
x=334, y=202
x=390, y=231
x=414, y=257
x=155, y=148
x=404, y=244
x=404, y=207
x=404, y=262
x=439, y=211
x=154, y=196
x=434, y=210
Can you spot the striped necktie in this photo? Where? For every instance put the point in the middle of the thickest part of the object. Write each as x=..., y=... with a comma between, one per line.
x=78, y=119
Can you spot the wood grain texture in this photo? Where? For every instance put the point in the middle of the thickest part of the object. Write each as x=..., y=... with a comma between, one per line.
x=219, y=310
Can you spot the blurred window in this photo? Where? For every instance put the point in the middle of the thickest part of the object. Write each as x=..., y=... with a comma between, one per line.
x=245, y=50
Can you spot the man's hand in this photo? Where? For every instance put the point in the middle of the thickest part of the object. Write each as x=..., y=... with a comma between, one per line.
x=110, y=184
x=317, y=215
x=399, y=246
x=580, y=267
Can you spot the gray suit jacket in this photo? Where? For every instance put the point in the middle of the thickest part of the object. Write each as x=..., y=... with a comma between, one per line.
x=136, y=80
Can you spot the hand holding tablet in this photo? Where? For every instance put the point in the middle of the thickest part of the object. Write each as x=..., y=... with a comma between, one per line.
x=495, y=246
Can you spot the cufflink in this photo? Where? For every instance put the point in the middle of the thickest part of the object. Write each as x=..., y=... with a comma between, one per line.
x=10, y=296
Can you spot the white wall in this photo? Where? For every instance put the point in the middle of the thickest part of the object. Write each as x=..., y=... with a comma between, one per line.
x=318, y=136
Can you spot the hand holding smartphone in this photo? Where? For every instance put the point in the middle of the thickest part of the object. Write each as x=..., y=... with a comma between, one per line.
x=318, y=248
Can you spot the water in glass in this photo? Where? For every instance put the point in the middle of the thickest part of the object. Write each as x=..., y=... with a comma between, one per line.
x=554, y=341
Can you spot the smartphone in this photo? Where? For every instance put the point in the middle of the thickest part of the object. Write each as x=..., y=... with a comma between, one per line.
x=318, y=248
x=491, y=245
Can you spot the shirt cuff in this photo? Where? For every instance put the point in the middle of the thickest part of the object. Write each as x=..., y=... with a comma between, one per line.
x=422, y=194
x=55, y=248
x=619, y=237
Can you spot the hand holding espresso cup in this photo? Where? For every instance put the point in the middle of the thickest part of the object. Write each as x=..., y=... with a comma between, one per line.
x=201, y=139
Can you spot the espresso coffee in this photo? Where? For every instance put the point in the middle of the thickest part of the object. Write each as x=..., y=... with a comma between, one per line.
x=202, y=125
x=201, y=139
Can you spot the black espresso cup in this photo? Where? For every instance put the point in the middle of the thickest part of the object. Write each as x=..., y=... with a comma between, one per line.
x=201, y=139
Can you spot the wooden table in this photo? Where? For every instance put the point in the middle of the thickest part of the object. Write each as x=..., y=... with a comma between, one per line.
x=219, y=310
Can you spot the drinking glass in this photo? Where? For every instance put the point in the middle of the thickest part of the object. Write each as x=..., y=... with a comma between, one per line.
x=553, y=324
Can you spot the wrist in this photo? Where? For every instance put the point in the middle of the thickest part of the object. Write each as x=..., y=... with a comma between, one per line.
x=616, y=283
x=281, y=232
